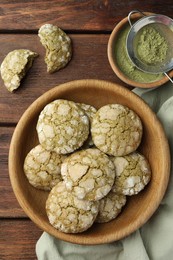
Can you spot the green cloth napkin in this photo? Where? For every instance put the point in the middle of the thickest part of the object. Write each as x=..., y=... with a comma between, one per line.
x=153, y=241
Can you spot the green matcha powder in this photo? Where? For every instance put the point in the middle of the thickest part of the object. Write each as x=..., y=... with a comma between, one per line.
x=125, y=64
x=151, y=46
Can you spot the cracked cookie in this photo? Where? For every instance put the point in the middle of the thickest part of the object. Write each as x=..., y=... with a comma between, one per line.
x=62, y=126
x=116, y=130
x=69, y=214
x=90, y=112
x=57, y=45
x=110, y=207
x=43, y=168
x=15, y=66
x=132, y=173
x=89, y=174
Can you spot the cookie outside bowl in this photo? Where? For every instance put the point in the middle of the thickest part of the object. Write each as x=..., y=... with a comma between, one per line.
x=154, y=146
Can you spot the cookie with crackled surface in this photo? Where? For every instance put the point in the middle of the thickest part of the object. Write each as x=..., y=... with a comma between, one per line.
x=69, y=214
x=110, y=207
x=58, y=47
x=43, y=168
x=133, y=173
x=15, y=66
x=90, y=112
x=116, y=130
x=89, y=174
x=62, y=126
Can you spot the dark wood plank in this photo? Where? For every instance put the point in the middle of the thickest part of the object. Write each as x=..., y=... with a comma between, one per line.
x=18, y=239
x=9, y=207
x=89, y=61
x=73, y=14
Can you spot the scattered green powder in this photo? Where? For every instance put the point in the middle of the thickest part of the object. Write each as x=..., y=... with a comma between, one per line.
x=151, y=46
x=125, y=64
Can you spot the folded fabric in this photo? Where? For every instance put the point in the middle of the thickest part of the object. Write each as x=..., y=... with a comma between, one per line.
x=153, y=241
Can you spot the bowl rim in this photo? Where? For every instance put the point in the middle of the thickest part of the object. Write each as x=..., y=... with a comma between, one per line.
x=115, y=67
x=45, y=226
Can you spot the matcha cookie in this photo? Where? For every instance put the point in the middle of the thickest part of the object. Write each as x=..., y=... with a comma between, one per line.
x=90, y=112
x=69, y=214
x=62, y=126
x=116, y=130
x=132, y=173
x=89, y=174
x=58, y=47
x=15, y=66
x=42, y=168
x=110, y=207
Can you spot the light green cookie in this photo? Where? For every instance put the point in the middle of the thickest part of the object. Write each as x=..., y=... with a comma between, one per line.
x=110, y=207
x=116, y=130
x=90, y=112
x=133, y=173
x=42, y=168
x=62, y=126
x=15, y=66
x=89, y=174
x=69, y=214
x=58, y=47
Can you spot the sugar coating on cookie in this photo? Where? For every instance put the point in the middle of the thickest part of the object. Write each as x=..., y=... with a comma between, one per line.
x=116, y=130
x=69, y=214
x=110, y=207
x=62, y=126
x=43, y=168
x=14, y=67
x=133, y=173
x=90, y=112
x=58, y=47
x=89, y=174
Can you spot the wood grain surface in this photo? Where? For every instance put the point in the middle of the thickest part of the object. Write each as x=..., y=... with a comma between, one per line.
x=9, y=207
x=17, y=239
x=76, y=15
x=89, y=24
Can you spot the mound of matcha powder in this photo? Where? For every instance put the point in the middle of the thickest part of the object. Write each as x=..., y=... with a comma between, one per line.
x=151, y=46
x=125, y=64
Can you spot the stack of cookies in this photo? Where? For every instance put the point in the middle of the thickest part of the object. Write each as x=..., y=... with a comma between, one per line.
x=88, y=160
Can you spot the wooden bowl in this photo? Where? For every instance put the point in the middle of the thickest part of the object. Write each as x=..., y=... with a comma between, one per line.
x=154, y=146
x=112, y=59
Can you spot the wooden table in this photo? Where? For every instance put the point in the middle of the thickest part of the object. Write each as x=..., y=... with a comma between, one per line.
x=89, y=24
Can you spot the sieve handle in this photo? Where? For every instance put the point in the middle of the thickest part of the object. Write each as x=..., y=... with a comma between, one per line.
x=168, y=77
x=132, y=12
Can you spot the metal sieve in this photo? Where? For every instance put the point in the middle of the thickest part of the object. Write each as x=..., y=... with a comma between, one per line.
x=161, y=24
